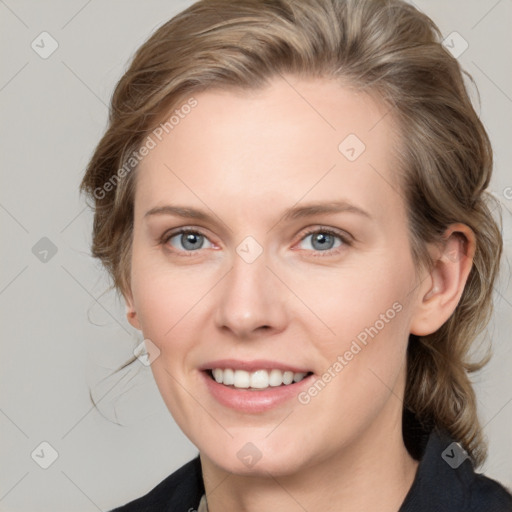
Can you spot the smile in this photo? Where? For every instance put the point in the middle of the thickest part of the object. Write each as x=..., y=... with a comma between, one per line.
x=259, y=379
x=254, y=387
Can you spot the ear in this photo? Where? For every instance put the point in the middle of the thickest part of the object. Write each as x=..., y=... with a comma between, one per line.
x=441, y=289
x=131, y=313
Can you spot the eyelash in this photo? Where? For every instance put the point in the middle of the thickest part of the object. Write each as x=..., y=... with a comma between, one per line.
x=328, y=231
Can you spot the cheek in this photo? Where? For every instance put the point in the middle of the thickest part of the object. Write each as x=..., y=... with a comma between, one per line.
x=367, y=312
x=363, y=368
x=165, y=298
x=356, y=297
x=169, y=308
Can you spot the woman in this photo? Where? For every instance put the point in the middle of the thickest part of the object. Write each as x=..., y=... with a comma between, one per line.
x=291, y=198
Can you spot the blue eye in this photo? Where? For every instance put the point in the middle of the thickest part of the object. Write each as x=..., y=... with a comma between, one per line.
x=325, y=240
x=188, y=239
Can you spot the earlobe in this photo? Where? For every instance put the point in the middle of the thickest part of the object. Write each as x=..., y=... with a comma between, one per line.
x=133, y=319
x=131, y=313
x=441, y=290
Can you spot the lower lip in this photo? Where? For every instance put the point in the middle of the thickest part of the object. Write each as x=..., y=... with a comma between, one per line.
x=246, y=400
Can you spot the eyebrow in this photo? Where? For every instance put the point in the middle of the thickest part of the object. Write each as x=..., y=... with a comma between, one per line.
x=295, y=212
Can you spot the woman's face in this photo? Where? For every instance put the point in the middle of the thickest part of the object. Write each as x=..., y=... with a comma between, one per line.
x=267, y=281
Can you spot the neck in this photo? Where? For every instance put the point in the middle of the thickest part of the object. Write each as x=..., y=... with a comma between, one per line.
x=374, y=470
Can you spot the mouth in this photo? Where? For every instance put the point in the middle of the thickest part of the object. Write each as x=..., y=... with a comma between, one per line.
x=254, y=387
x=256, y=380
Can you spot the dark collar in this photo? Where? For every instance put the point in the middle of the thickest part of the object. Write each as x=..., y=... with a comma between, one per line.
x=445, y=481
x=443, y=476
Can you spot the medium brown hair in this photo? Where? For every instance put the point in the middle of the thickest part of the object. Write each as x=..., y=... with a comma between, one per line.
x=389, y=49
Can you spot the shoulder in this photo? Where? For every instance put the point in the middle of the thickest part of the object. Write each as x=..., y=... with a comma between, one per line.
x=182, y=490
x=487, y=494
x=445, y=480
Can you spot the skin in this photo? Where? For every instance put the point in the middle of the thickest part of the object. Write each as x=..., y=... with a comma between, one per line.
x=245, y=157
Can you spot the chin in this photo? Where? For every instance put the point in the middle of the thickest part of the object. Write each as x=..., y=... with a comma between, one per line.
x=257, y=457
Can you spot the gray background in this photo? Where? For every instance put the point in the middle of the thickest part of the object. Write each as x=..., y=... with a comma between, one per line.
x=61, y=330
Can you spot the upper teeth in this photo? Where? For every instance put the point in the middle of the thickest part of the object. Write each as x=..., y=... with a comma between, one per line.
x=260, y=379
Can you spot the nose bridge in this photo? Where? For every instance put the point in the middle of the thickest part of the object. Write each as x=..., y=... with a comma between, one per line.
x=250, y=296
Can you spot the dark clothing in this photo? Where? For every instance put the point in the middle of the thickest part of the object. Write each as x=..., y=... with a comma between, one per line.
x=444, y=482
x=179, y=492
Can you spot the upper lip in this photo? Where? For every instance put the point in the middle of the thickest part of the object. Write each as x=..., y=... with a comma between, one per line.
x=251, y=366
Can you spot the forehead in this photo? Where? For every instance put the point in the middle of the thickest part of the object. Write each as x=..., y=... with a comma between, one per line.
x=293, y=140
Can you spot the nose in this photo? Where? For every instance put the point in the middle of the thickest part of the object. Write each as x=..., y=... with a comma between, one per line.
x=252, y=300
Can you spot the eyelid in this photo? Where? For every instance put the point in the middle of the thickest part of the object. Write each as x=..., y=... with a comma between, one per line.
x=164, y=239
x=346, y=239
